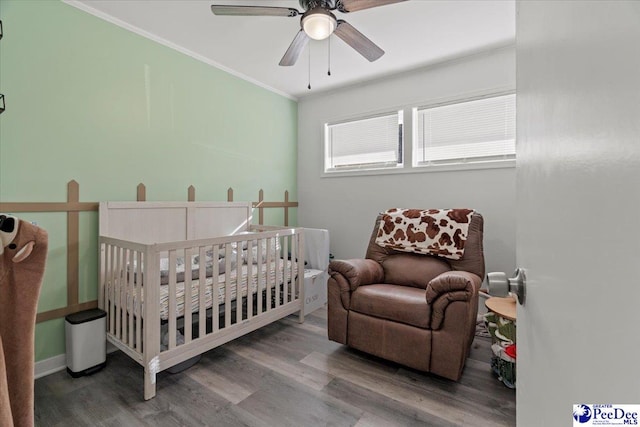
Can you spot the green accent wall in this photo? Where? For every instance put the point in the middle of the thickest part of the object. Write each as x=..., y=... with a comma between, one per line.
x=90, y=101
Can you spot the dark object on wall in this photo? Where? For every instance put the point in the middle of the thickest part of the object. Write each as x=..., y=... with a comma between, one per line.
x=1, y=32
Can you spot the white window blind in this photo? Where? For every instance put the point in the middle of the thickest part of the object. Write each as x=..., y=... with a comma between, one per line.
x=471, y=131
x=374, y=142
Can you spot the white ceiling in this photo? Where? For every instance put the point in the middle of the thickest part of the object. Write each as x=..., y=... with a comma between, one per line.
x=414, y=34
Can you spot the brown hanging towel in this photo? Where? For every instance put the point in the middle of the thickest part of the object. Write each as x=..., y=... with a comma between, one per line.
x=23, y=252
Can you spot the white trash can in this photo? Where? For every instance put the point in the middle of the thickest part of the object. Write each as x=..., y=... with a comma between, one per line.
x=86, y=340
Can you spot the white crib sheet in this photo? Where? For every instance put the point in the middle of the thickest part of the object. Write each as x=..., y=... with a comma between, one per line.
x=267, y=271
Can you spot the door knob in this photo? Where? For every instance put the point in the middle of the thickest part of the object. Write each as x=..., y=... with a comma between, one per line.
x=500, y=285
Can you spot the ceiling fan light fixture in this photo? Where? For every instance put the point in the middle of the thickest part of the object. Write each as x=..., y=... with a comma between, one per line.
x=319, y=23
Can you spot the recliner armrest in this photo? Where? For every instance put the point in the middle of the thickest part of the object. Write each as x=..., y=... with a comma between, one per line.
x=448, y=287
x=451, y=281
x=358, y=271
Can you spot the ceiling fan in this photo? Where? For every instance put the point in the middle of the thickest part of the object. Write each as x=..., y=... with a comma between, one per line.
x=317, y=22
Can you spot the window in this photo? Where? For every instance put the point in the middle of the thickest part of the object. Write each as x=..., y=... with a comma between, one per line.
x=479, y=130
x=370, y=143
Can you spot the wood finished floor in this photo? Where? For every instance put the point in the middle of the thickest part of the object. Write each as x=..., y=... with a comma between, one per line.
x=285, y=374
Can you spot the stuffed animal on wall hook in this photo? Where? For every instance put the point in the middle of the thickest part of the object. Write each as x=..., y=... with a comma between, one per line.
x=23, y=252
x=8, y=232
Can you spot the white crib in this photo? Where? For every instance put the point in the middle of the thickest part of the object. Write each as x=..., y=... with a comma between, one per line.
x=196, y=272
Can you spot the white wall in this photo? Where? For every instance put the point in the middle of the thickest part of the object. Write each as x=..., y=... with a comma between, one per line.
x=347, y=206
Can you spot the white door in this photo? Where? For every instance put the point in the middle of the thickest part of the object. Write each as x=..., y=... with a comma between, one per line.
x=578, y=180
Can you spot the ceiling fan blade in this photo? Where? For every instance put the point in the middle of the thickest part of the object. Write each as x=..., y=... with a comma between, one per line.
x=346, y=6
x=298, y=44
x=358, y=41
x=253, y=10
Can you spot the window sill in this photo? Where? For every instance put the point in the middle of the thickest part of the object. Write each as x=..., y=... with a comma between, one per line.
x=494, y=164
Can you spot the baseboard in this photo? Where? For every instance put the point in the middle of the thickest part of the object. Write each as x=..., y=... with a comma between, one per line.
x=59, y=363
x=50, y=366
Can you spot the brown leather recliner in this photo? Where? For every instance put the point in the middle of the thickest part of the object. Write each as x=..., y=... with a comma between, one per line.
x=414, y=309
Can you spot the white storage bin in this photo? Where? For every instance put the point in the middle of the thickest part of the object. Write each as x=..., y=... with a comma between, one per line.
x=316, y=275
x=86, y=340
x=315, y=289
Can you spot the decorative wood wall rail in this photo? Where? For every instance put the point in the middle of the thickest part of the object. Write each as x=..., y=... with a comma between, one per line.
x=72, y=207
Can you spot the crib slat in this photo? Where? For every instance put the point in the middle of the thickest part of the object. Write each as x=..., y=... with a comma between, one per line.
x=215, y=290
x=107, y=283
x=285, y=281
x=227, y=285
x=250, y=291
x=300, y=276
x=124, y=292
x=269, y=267
x=296, y=269
x=239, y=282
x=300, y=266
x=172, y=299
x=187, y=295
x=112, y=292
x=137, y=300
x=121, y=284
x=130, y=293
x=292, y=270
x=260, y=286
x=276, y=280
x=123, y=295
x=102, y=268
x=118, y=295
x=294, y=261
x=107, y=279
x=202, y=282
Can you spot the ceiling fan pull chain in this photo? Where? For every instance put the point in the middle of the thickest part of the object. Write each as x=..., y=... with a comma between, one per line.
x=329, y=56
x=309, y=86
